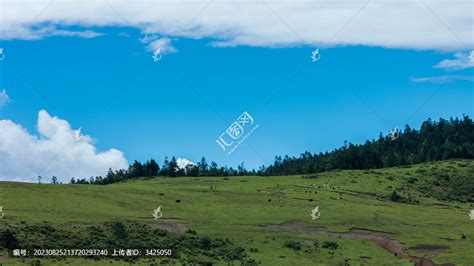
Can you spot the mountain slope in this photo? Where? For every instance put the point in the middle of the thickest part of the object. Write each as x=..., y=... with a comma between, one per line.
x=366, y=216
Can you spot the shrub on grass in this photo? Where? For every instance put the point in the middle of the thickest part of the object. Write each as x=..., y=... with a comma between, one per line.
x=126, y=235
x=295, y=245
x=192, y=232
x=118, y=230
x=205, y=242
x=395, y=197
x=8, y=240
x=330, y=245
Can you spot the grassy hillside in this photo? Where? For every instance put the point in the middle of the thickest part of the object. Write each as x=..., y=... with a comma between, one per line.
x=366, y=216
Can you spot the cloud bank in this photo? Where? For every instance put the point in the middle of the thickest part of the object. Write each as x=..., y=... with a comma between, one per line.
x=58, y=150
x=461, y=61
x=427, y=24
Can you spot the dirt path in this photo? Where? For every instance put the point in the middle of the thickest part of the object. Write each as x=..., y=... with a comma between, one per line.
x=383, y=239
x=170, y=225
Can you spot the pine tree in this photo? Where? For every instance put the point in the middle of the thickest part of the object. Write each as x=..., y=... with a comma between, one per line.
x=203, y=167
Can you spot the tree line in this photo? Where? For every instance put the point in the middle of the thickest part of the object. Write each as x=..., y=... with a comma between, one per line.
x=435, y=140
x=441, y=140
x=169, y=168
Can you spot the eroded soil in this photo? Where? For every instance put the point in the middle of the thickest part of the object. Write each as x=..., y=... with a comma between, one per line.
x=384, y=239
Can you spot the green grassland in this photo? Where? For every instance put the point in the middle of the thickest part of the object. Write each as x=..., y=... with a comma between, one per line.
x=269, y=217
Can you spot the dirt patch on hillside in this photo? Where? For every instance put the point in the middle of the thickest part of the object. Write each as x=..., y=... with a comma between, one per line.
x=429, y=250
x=383, y=239
x=279, y=194
x=170, y=225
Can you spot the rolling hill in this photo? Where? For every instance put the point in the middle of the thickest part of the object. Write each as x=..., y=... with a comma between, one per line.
x=392, y=216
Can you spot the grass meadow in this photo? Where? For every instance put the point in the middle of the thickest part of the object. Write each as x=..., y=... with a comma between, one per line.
x=269, y=217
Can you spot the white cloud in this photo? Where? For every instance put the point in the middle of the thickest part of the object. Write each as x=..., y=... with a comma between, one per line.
x=462, y=61
x=443, y=79
x=88, y=34
x=389, y=23
x=155, y=43
x=4, y=98
x=58, y=150
x=37, y=32
x=182, y=163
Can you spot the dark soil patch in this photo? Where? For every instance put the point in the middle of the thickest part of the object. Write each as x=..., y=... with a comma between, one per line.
x=429, y=250
x=383, y=239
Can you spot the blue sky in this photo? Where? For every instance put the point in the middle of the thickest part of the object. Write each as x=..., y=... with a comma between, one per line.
x=110, y=87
